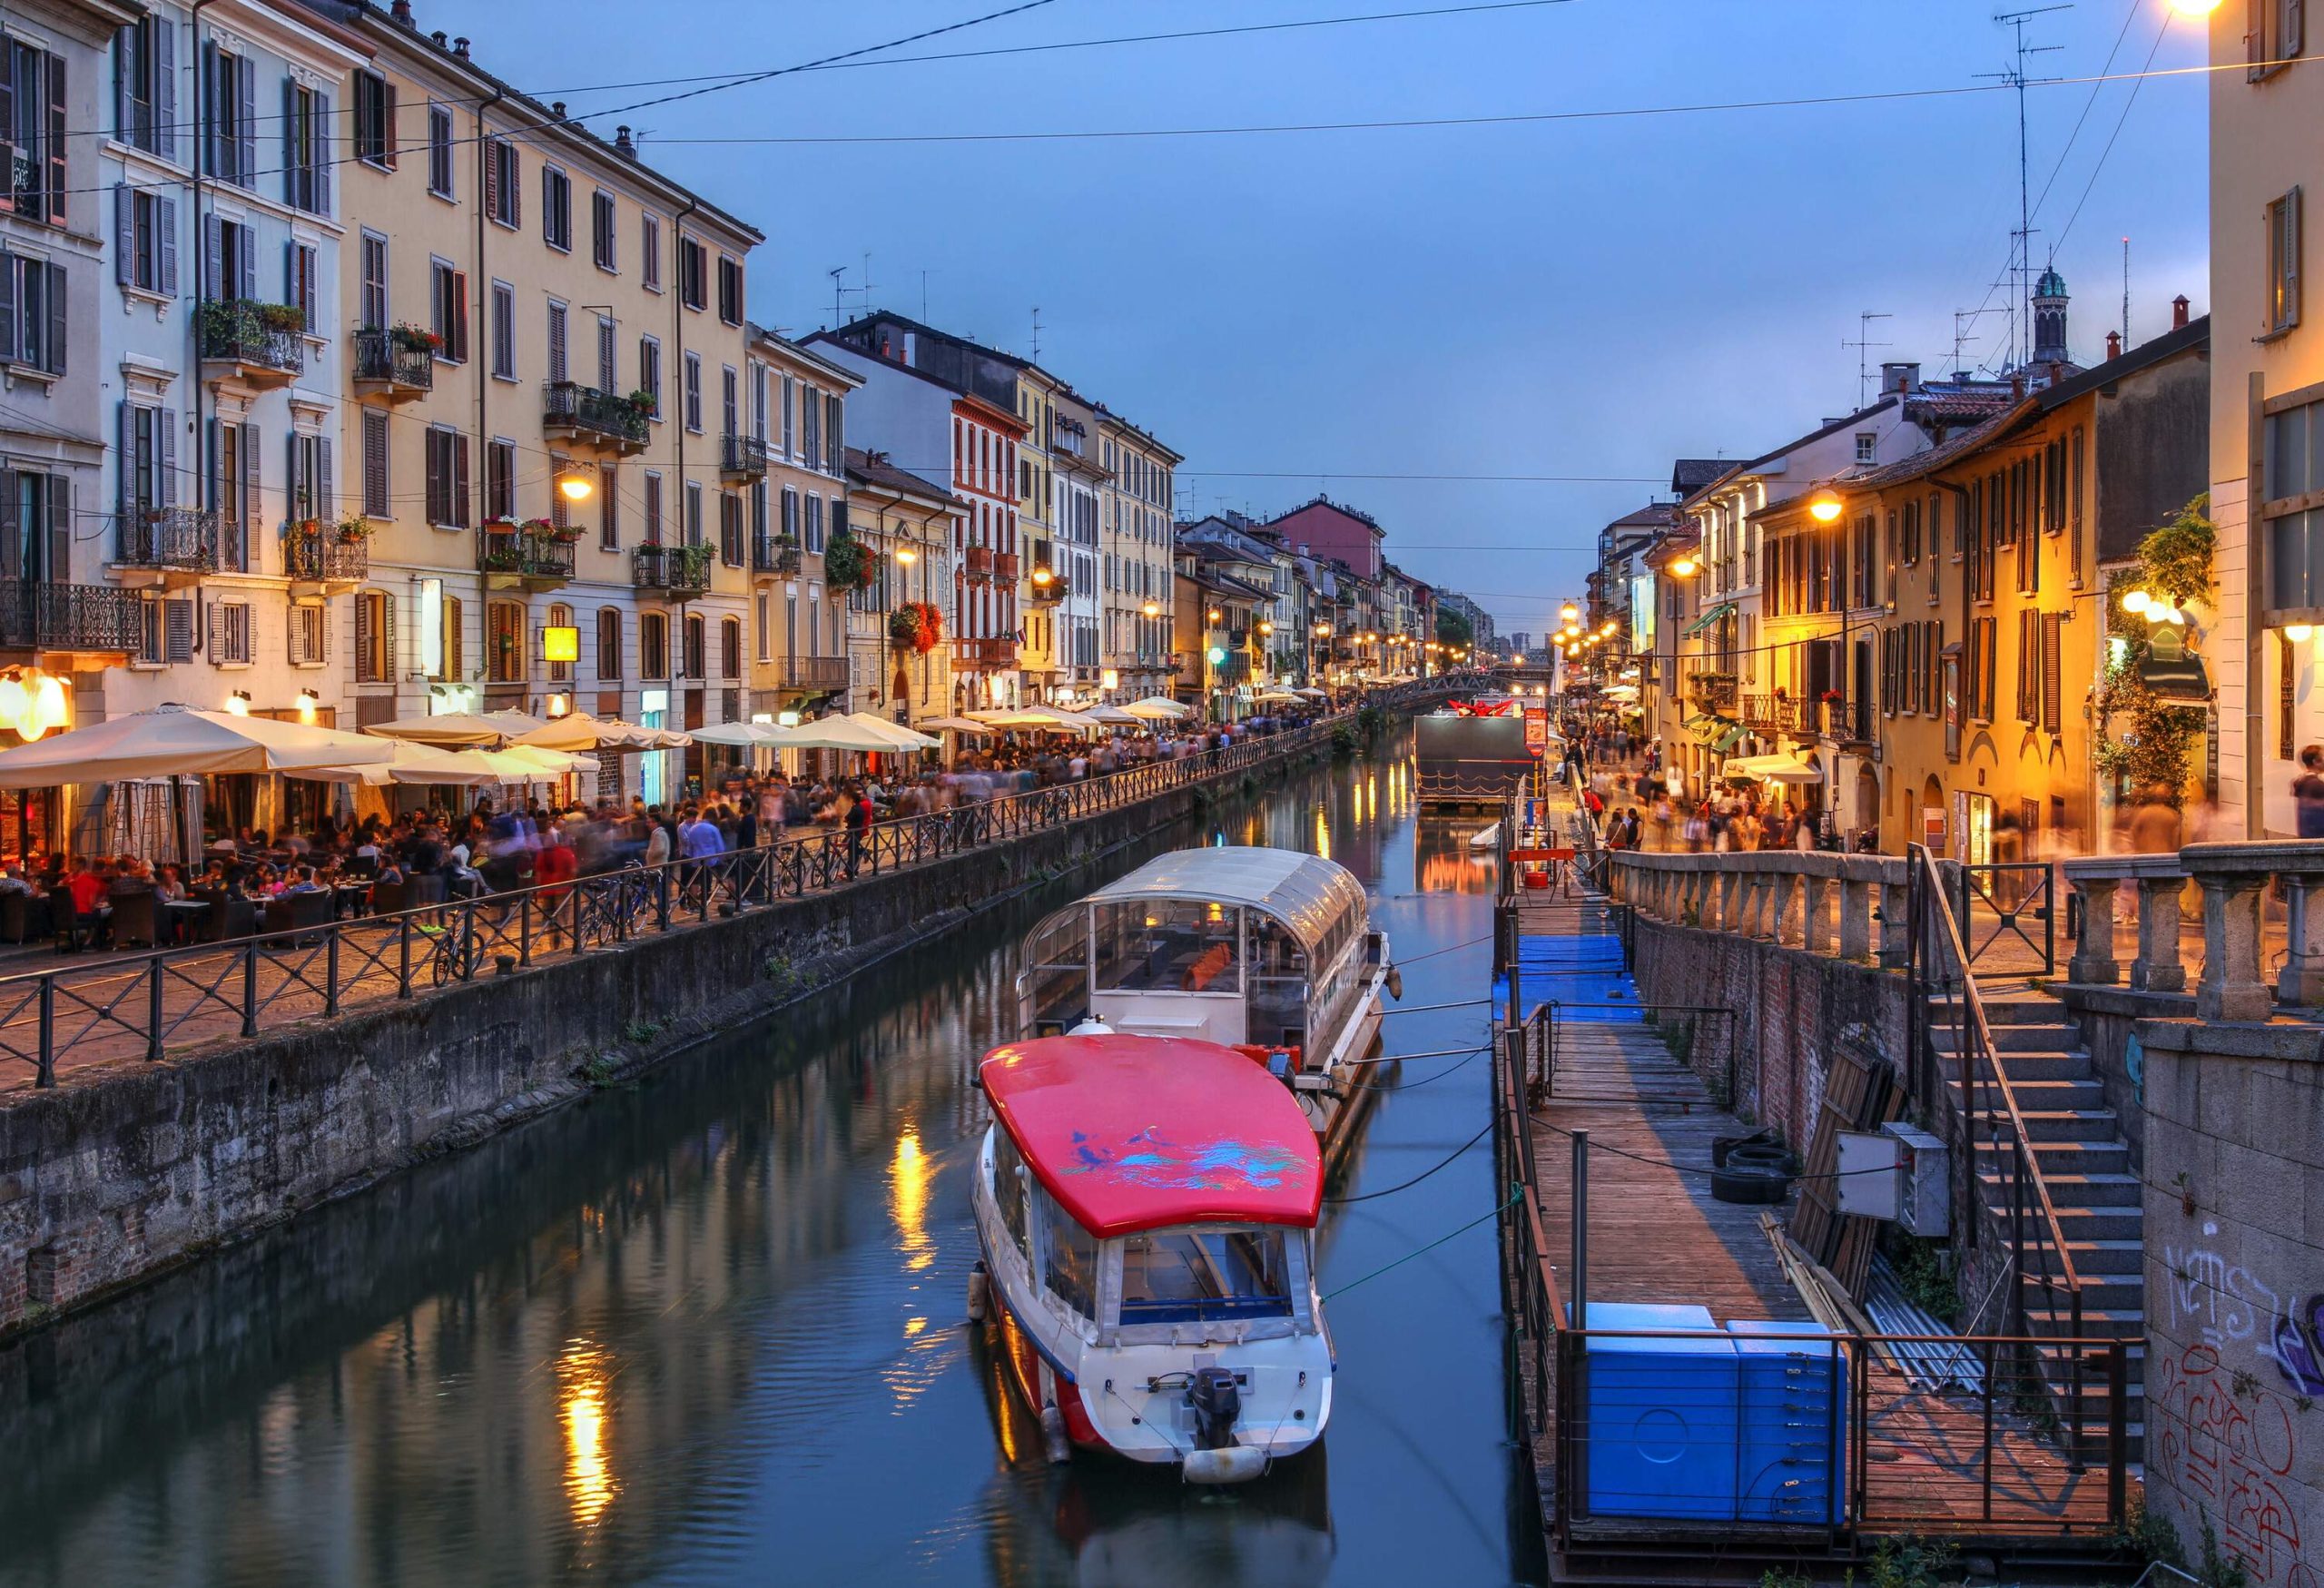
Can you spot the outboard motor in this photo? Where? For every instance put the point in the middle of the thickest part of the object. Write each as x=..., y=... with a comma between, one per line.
x=1217, y=1405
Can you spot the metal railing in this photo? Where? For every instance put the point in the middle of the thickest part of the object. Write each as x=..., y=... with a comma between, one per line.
x=816, y=672
x=670, y=567
x=35, y=613
x=1981, y=1109
x=183, y=538
x=772, y=554
x=2014, y=892
x=512, y=549
x=244, y=332
x=381, y=356
x=742, y=457
x=133, y=1004
x=325, y=557
x=571, y=406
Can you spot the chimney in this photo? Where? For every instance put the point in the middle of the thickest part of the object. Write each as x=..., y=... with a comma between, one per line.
x=621, y=143
x=1900, y=378
x=401, y=11
x=2113, y=345
x=2178, y=313
x=556, y=109
x=2017, y=385
x=441, y=41
x=460, y=48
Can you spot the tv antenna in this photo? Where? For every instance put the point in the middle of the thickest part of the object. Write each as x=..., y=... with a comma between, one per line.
x=1037, y=333
x=1864, y=340
x=839, y=311
x=2022, y=252
x=923, y=296
x=2126, y=295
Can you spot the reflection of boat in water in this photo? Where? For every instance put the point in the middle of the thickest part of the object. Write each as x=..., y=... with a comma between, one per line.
x=1486, y=839
x=1091, y=1526
x=1266, y=950
x=1147, y=1210
x=1448, y=859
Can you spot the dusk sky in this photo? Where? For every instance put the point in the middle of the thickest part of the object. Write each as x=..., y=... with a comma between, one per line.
x=1295, y=310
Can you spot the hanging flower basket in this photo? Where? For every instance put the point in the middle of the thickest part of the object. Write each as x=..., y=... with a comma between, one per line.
x=903, y=626
x=847, y=564
x=930, y=632
x=353, y=532
x=308, y=529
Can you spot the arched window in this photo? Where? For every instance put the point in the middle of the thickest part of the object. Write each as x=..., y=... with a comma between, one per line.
x=653, y=644
x=730, y=647
x=504, y=642
x=609, y=644
x=560, y=616
x=696, y=658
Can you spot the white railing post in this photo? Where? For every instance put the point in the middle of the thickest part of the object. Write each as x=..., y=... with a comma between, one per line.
x=2234, y=876
x=2093, y=952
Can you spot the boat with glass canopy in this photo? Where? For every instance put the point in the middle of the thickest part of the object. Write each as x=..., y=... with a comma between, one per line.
x=1146, y=1207
x=1268, y=950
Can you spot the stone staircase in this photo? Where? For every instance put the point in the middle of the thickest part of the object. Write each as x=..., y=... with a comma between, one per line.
x=2080, y=1152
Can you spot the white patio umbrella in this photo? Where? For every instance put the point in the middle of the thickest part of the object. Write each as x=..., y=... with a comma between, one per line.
x=1154, y=709
x=740, y=735
x=1113, y=716
x=459, y=728
x=531, y=763
x=577, y=730
x=422, y=763
x=171, y=740
x=902, y=737
x=834, y=732
x=1277, y=694
x=960, y=725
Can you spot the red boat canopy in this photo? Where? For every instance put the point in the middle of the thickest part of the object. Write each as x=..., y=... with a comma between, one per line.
x=1136, y=1133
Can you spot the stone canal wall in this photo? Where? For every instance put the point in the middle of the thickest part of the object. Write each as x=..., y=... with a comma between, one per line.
x=118, y=1173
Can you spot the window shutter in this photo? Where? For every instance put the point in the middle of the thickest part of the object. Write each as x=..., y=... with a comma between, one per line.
x=459, y=503
x=375, y=464
x=365, y=671
x=125, y=480
x=163, y=66
x=295, y=480
x=2294, y=15
x=127, y=120
x=246, y=131
x=249, y=251
x=459, y=320
x=2292, y=257
x=248, y=449
x=387, y=637
x=56, y=141
x=125, y=231
x=213, y=258
x=292, y=153
x=290, y=274
x=60, y=526
x=8, y=340
x=326, y=492
x=177, y=631
x=8, y=124
x=434, y=458
x=321, y=147
x=55, y=348
x=512, y=184
x=2052, y=661
x=387, y=95
x=165, y=439
x=557, y=368
x=212, y=487
x=492, y=179
x=165, y=246
x=606, y=377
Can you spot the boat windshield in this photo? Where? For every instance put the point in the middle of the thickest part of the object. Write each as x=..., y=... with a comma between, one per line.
x=1168, y=945
x=1185, y=1276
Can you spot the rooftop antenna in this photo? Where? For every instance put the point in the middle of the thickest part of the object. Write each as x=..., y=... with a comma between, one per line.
x=839, y=311
x=2022, y=253
x=2126, y=295
x=1963, y=318
x=1863, y=340
x=1037, y=333
x=923, y=297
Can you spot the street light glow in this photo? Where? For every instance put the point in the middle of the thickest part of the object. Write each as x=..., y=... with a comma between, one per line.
x=1824, y=507
x=1684, y=567
x=576, y=487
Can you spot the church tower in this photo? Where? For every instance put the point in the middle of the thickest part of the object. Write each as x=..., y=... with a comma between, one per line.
x=2050, y=319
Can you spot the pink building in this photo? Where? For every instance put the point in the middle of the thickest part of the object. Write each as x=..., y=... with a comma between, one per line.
x=1327, y=530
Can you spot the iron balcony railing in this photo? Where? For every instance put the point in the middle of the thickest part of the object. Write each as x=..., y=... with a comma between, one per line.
x=380, y=355
x=673, y=569
x=816, y=672
x=251, y=333
x=506, y=549
x=742, y=457
x=773, y=554
x=571, y=406
x=132, y=1006
x=995, y=651
x=35, y=614
x=325, y=557
x=182, y=538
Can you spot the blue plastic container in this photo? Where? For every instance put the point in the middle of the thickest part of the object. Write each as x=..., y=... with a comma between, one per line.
x=1662, y=1414
x=1791, y=1442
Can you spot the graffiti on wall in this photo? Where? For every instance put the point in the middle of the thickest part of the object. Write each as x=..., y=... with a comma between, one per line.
x=2230, y=1453
x=2228, y=1306
x=2300, y=1344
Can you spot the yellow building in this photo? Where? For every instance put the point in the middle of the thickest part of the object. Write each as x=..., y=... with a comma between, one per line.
x=796, y=504
x=548, y=368
x=1043, y=499
x=1136, y=590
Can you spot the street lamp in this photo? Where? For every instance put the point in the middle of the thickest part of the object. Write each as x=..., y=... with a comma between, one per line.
x=1214, y=617
x=1684, y=568
x=576, y=487
x=907, y=555
x=1824, y=506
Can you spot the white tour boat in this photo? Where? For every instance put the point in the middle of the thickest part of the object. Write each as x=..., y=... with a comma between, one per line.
x=1266, y=950
x=1148, y=1208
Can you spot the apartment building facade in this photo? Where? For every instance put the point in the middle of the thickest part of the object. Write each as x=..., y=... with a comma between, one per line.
x=908, y=525
x=1138, y=595
x=792, y=470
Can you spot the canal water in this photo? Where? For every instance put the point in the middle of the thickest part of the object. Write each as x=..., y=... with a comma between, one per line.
x=710, y=1329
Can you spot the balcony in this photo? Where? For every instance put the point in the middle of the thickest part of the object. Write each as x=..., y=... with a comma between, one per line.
x=674, y=571
x=590, y=418
x=1712, y=691
x=992, y=655
x=775, y=554
x=177, y=543
x=742, y=458
x=1771, y=714
x=522, y=556
x=977, y=560
x=258, y=344
x=1005, y=567
x=93, y=620
x=397, y=363
x=1235, y=669
x=814, y=673
x=328, y=558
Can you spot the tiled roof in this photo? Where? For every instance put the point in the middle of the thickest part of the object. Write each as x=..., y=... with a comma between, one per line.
x=878, y=471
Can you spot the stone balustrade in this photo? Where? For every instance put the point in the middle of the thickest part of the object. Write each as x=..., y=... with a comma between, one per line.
x=2236, y=880
x=2156, y=884
x=1836, y=905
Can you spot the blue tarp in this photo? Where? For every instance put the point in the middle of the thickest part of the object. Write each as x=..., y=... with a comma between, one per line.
x=1579, y=970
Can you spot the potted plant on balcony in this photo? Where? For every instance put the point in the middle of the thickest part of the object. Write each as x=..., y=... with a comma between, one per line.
x=847, y=564
x=305, y=528
x=414, y=338
x=932, y=626
x=786, y=554
x=555, y=533
x=353, y=529
x=903, y=626
x=502, y=559
x=281, y=317
x=643, y=404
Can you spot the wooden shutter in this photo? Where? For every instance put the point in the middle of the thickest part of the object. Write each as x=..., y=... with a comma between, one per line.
x=56, y=143
x=459, y=480
x=558, y=366
x=247, y=450
x=326, y=489
x=2053, y=683
x=125, y=231
x=492, y=178
x=321, y=147
x=387, y=118
x=249, y=251
x=60, y=526
x=9, y=340
x=213, y=257
x=438, y=477
x=246, y=129
x=2295, y=29
x=294, y=161
x=375, y=464
x=165, y=246
x=296, y=484
x=177, y=630
x=459, y=339
x=53, y=353
x=7, y=125
x=162, y=65
x=165, y=448
x=368, y=668
x=607, y=378
x=131, y=117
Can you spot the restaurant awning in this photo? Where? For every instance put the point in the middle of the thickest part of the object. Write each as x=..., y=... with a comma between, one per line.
x=1710, y=617
x=459, y=728
x=176, y=740
x=1154, y=709
x=1771, y=769
x=578, y=731
x=899, y=736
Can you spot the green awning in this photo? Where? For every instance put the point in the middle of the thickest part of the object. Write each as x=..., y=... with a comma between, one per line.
x=1710, y=617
